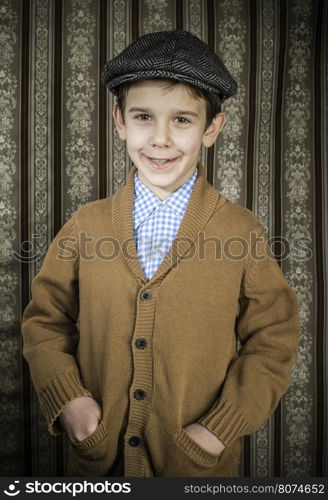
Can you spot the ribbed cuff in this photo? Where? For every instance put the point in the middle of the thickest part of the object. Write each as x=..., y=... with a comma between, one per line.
x=56, y=395
x=226, y=422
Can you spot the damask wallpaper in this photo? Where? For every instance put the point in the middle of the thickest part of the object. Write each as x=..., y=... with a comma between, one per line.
x=59, y=150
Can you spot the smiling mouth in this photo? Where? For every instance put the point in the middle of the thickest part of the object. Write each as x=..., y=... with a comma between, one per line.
x=161, y=163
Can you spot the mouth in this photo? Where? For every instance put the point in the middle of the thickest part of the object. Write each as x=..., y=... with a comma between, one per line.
x=160, y=163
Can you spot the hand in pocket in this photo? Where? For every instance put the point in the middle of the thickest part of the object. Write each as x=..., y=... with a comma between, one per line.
x=204, y=438
x=80, y=418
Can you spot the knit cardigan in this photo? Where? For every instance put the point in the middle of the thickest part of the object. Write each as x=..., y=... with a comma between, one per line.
x=211, y=338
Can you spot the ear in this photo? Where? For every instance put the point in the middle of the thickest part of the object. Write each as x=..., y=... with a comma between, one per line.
x=119, y=123
x=213, y=130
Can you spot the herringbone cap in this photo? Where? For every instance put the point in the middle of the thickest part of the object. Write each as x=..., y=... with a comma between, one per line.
x=176, y=54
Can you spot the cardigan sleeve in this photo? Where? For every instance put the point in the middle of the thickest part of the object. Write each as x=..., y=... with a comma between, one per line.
x=49, y=330
x=268, y=328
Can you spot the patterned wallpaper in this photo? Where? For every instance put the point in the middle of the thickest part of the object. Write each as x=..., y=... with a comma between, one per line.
x=58, y=150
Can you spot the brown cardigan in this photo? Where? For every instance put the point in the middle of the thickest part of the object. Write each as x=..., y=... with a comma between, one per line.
x=158, y=355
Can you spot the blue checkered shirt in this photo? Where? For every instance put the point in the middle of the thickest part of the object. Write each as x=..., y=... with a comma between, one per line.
x=156, y=222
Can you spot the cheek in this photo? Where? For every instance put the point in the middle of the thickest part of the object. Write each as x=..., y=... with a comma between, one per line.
x=189, y=143
x=136, y=138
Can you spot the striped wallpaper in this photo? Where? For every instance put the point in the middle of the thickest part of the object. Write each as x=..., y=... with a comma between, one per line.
x=58, y=150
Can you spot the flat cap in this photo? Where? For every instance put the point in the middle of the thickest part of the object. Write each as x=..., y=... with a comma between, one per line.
x=177, y=55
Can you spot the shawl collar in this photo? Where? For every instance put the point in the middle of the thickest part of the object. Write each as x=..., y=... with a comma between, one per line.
x=203, y=200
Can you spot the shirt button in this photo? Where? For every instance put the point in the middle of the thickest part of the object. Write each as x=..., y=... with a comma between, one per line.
x=139, y=394
x=134, y=441
x=145, y=295
x=141, y=343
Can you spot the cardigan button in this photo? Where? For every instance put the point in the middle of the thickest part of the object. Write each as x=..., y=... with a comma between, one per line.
x=141, y=343
x=134, y=441
x=139, y=394
x=145, y=295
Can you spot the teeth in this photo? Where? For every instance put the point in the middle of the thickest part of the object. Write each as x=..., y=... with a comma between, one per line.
x=159, y=161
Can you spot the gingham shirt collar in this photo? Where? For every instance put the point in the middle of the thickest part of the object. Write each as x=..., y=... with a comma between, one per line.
x=146, y=201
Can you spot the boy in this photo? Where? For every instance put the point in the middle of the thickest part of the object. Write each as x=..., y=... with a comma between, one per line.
x=166, y=274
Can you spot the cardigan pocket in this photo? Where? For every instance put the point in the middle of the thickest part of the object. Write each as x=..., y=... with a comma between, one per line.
x=174, y=453
x=99, y=434
x=192, y=460
x=186, y=458
x=94, y=455
x=192, y=447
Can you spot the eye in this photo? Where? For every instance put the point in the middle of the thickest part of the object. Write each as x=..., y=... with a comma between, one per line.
x=141, y=116
x=184, y=119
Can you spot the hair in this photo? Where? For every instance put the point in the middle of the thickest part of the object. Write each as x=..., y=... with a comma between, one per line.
x=213, y=104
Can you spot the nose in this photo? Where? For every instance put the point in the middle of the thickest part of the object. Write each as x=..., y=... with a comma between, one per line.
x=161, y=136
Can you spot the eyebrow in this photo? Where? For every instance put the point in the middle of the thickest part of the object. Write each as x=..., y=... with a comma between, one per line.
x=176, y=112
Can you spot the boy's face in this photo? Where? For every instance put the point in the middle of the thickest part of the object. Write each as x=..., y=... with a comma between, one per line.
x=166, y=124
